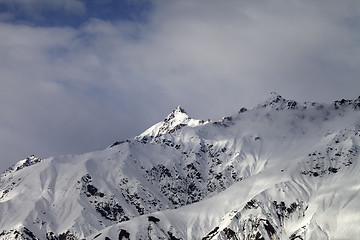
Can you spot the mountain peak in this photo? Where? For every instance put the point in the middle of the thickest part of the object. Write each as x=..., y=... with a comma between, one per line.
x=274, y=94
x=275, y=97
x=345, y=103
x=177, y=119
x=179, y=109
x=27, y=162
x=178, y=113
x=277, y=102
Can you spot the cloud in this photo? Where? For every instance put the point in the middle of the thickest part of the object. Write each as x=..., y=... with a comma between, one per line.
x=61, y=93
x=218, y=52
x=238, y=47
x=68, y=90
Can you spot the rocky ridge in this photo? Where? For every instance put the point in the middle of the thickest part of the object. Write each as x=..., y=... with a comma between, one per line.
x=182, y=165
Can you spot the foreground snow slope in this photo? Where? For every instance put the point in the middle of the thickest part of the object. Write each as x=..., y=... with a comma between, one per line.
x=282, y=170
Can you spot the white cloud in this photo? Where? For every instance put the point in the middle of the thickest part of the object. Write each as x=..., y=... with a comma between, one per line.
x=236, y=48
x=69, y=90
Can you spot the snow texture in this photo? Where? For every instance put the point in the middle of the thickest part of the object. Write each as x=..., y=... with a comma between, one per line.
x=282, y=170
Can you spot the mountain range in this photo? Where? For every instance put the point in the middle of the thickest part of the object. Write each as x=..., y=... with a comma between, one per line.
x=280, y=170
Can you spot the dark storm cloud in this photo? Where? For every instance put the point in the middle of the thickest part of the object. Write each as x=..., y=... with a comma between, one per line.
x=67, y=89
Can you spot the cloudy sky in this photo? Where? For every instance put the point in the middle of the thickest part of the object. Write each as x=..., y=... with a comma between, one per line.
x=77, y=75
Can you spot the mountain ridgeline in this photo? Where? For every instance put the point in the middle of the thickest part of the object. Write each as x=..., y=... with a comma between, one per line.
x=281, y=170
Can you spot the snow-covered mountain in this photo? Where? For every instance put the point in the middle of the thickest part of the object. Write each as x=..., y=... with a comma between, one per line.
x=282, y=170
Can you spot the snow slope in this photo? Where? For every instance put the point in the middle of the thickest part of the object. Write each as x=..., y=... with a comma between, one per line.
x=282, y=170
